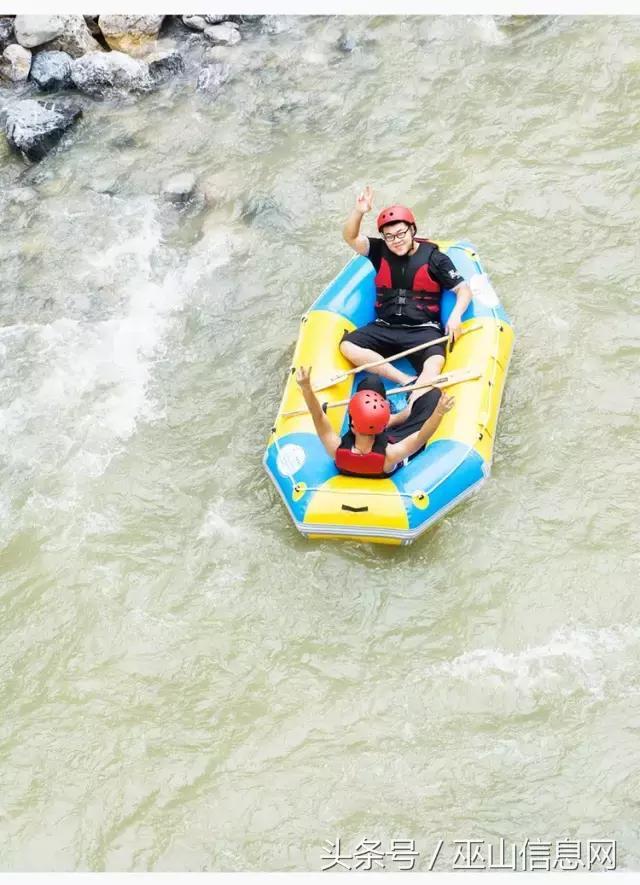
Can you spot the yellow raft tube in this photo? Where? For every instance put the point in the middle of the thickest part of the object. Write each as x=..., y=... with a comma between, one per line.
x=457, y=459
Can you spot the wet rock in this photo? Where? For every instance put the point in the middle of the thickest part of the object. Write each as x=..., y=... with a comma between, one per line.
x=51, y=70
x=216, y=19
x=179, y=188
x=68, y=33
x=347, y=43
x=76, y=39
x=195, y=22
x=35, y=127
x=15, y=63
x=212, y=77
x=130, y=33
x=164, y=65
x=6, y=32
x=101, y=73
x=227, y=34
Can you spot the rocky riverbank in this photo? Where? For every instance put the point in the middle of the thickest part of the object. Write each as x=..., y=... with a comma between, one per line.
x=68, y=57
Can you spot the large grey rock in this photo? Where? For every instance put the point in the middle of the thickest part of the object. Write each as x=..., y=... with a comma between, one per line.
x=216, y=19
x=226, y=34
x=75, y=38
x=102, y=73
x=6, y=32
x=35, y=127
x=164, y=65
x=195, y=22
x=212, y=77
x=68, y=33
x=130, y=33
x=51, y=70
x=34, y=30
x=179, y=188
x=15, y=63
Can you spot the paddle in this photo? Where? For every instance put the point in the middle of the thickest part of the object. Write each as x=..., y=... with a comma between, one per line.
x=445, y=380
x=335, y=379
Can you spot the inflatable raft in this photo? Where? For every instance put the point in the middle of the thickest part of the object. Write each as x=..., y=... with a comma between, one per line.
x=457, y=459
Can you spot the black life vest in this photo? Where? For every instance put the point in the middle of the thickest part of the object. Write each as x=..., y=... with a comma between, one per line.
x=355, y=464
x=417, y=300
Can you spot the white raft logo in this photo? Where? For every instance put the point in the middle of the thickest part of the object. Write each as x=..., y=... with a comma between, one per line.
x=290, y=459
x=483, y=291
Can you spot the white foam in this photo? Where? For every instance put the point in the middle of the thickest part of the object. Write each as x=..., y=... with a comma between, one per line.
x=215, y=524
x=81, y=388
x=579, y=657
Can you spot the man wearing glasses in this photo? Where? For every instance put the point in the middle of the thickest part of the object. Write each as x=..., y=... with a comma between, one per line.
x=410, y=277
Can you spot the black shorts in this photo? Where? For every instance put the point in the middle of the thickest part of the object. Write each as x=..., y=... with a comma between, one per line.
x=387, y=340
x=421, y=409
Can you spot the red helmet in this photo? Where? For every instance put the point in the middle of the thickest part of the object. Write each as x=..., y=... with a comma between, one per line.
x=395, y=213
x=369, y=412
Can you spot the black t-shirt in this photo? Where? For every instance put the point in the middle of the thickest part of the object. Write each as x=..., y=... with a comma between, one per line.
x=441, y=267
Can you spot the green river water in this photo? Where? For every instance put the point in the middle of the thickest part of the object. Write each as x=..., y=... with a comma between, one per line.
x=187, y=683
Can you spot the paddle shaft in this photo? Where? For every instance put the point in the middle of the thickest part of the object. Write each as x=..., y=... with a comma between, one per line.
x=444, y=380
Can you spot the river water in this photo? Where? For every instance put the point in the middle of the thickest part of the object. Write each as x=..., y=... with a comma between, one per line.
x=188, y=684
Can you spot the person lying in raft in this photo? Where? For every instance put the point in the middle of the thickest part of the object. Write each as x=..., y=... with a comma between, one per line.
x=368, y=449
x=411, y=275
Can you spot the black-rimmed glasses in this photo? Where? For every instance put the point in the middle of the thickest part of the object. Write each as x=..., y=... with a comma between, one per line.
x=399, y=235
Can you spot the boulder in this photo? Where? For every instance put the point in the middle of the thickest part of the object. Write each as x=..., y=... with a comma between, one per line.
x=76, y=38
x=34, y=127
x=67, y=33
x=212, y=77
x=179, y=188
x=216, y=19
x=51, y=70
x=102, y=73
x=34, y=30
x=6, y=32
x=164, y=65
x=195, y=22
x=15, y=63
x=227, y=34
x=130, y=33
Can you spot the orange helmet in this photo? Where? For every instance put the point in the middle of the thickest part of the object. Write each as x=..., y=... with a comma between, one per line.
x=395, y=213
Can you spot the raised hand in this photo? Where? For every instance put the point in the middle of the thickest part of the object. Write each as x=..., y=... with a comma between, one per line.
x=364, y=200
x=303, y=377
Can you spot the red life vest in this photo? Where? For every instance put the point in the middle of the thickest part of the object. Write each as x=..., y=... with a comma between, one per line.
x=355, y=464
x=418, y=301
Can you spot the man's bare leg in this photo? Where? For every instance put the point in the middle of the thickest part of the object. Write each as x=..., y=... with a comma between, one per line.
x=432, y=367
x=361, y=355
